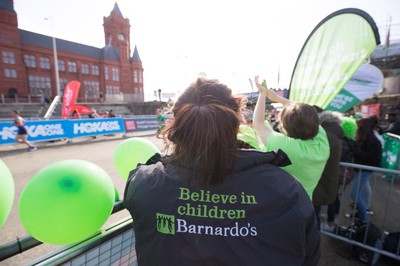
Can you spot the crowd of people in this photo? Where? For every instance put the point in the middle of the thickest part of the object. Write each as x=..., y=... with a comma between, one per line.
x=218, y=198
x=240, y=179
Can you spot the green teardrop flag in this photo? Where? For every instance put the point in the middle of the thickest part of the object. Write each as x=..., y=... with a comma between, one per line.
x=331, y=55
x=248, y=135
x=367, y=80
x=66, y=202
x=6, y=192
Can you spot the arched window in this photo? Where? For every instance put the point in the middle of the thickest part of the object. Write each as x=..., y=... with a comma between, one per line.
x=12, y=92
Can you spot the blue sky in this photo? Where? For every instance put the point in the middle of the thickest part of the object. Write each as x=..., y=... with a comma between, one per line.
x=229, y=40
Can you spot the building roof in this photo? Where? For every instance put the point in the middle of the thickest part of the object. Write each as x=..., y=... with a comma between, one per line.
x=7, y=5
x=117, y=10
x=36, y=39
x=135, y=57
x=386, y=57
x=111, y=52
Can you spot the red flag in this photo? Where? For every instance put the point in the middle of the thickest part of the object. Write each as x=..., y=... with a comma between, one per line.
x=83, y=110
x=71, y=92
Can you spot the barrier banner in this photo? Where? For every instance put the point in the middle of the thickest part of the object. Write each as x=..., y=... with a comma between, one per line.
x=333, y=52
x=391, y=153
x=45, y=130
x=71, y=92
x=140, y=124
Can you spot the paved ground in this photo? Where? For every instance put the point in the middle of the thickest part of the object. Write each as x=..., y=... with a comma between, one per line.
x=24, y=165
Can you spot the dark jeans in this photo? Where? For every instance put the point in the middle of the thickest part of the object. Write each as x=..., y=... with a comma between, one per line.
x=333, y=209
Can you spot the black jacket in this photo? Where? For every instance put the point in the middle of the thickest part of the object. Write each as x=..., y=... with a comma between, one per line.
x=326, y=190
x=368, y=152
x=260, y=215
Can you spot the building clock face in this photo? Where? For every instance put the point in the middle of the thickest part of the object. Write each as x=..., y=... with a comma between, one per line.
x=121, y=37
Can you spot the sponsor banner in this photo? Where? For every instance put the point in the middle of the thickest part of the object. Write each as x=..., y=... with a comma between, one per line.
x=98, y=126
x=365, y=82
x=59, y=129
x=141, y=124
x=37, y=130
x=333, y=52
x=368, y=110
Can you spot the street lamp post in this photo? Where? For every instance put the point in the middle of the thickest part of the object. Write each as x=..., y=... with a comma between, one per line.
x=55, y=59
x=56, y=66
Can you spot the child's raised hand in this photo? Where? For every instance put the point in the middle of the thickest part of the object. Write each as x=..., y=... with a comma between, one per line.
x=261, y=87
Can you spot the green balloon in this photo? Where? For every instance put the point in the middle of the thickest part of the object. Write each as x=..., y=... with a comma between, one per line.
x=6, y=192
x=116, y=196
x=66, y=202
x=248, y=135
x=131, y=152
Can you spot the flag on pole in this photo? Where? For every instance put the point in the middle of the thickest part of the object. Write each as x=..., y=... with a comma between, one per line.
x=251, y=84
x=332, y=53
x=71, y=93
x=279, y=73
x=387, y=40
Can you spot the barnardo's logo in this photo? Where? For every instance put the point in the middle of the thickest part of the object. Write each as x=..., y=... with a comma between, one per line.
x=165, y=223
x=208, y=207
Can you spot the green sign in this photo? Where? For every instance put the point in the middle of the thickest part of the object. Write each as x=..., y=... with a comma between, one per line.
x=365, y=82
x=331, y=55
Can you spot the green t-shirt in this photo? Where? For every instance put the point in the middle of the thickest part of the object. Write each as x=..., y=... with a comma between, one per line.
x=161, y=122
x=308, y=156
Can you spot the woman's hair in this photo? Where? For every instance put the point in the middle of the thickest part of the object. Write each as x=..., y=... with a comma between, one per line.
x=330, y=117
x=299, y=121
x=365, y=128
x=207, y=118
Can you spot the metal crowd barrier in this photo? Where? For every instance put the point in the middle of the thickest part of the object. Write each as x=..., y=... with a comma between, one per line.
x=384, y=214
x=116, y=244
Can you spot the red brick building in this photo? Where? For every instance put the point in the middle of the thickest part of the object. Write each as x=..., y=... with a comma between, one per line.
x=27, y=65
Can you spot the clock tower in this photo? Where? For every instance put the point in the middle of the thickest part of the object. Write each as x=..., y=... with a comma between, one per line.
x=117, y=32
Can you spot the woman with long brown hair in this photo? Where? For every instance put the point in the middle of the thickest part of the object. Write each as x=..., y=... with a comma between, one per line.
x=212, y=203
x=368, y=151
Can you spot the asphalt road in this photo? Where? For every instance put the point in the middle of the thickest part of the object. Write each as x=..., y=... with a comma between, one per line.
x=23, y=165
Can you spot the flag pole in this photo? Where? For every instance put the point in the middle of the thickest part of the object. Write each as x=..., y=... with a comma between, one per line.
x=279, y=70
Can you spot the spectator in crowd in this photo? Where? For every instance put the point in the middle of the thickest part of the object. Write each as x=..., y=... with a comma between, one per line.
x=93, y=114
x=349, y=126
x=302, y=138
x=41, y=97
x=75, y=114
x=22, y=134
x=210, y=203
x=106, y=114
x=368, y=151
x=326, y=191
x=111, y=113
x=394, y=124
x=377, y=130
x=353, y=114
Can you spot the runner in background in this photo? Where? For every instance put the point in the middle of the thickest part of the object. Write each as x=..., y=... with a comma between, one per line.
x=22, y=134
x=161, y=125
